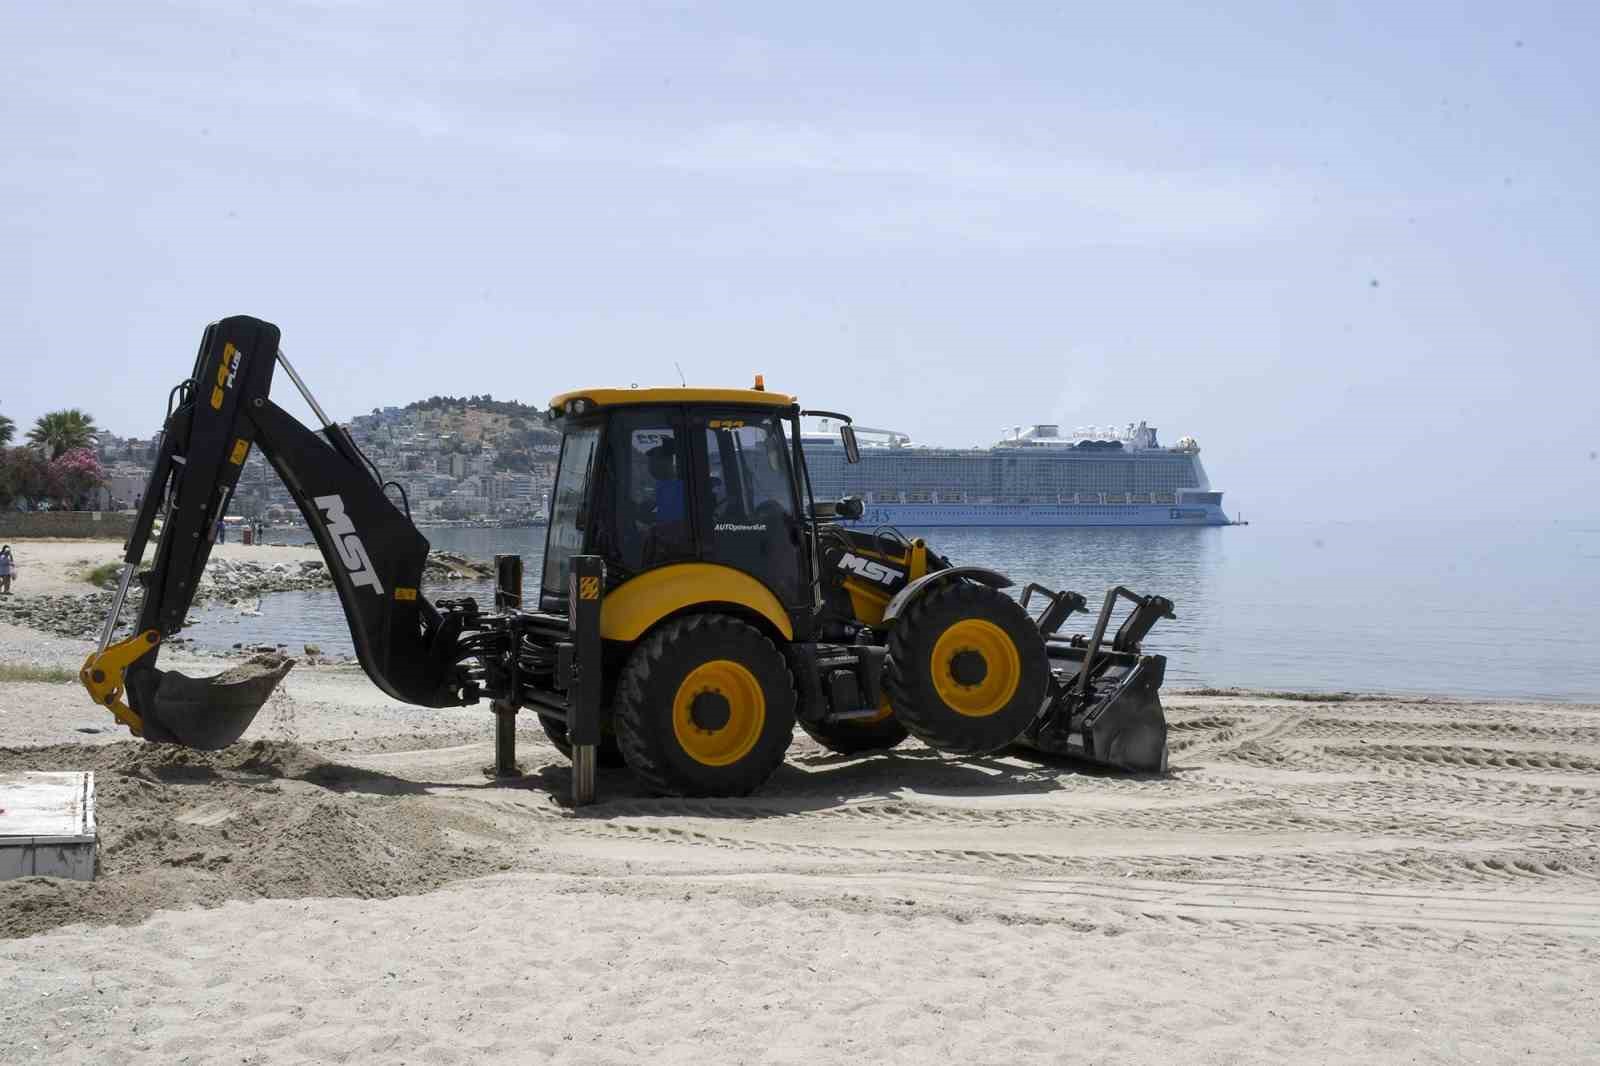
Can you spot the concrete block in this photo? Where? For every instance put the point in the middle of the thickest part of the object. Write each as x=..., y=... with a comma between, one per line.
x=47, y=825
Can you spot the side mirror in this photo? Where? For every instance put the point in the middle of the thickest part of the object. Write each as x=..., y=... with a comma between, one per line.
x=848, y=508
x=852, y=450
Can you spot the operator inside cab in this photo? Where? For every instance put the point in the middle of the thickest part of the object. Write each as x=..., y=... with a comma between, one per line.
x=661, y=501
x=671, y=497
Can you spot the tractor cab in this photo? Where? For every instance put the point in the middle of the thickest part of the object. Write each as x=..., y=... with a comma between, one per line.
x=662, y=478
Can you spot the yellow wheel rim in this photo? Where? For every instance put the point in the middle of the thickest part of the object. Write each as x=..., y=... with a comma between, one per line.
x=720, y=684
x=1001, y=667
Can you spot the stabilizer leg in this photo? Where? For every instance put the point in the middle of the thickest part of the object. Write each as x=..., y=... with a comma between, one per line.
x=583, y=717
x=507, y=597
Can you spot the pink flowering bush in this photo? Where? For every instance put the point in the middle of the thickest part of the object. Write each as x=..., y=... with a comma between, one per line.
x=27, y=478
x=77, y=473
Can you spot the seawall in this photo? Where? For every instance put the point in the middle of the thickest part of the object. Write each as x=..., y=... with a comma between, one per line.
x=74, y=525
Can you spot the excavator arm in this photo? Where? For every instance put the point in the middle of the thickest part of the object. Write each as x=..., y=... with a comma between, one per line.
x=411, y=649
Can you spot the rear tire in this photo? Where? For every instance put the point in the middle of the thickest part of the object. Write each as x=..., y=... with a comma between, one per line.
x=967, y=669
x=705, y=707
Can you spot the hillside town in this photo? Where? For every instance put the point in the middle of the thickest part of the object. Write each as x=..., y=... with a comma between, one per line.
x=472, y=460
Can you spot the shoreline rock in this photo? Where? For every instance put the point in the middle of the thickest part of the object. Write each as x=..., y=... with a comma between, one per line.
x=224, y=581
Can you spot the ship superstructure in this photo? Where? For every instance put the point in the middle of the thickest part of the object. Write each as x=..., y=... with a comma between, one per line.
x=1034, y=476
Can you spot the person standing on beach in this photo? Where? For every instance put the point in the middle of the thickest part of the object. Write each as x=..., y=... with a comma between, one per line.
x=8, y=569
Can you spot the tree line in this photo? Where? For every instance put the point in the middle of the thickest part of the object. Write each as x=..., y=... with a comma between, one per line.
x=58, y=466
x=484, y=402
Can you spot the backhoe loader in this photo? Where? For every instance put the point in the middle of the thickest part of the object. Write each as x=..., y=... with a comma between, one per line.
x=695, y=601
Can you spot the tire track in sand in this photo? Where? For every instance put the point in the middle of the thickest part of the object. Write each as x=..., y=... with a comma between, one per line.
x=1399, y=728
x=1506, y=867
x=1460, y=756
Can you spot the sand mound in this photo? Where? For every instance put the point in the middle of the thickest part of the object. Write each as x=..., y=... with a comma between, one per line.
x=267, y=819
x=269, y=758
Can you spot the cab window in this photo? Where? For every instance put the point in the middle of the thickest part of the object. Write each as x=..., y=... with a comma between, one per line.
x=645, y=494
x=567, y=512
x=748, y=510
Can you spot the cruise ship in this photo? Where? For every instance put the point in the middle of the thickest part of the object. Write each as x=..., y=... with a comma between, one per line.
x=1035, y=477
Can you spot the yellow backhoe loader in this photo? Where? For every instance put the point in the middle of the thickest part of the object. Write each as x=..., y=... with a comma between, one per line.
x=695, y=602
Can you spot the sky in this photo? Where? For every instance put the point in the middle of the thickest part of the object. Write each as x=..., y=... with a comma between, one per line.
x=1351, y=248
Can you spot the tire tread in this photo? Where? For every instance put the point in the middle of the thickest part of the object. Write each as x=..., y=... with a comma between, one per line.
x=915, y=702
x=630, y=715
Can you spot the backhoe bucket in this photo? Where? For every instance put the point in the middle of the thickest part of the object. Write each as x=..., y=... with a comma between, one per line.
x=203, y=712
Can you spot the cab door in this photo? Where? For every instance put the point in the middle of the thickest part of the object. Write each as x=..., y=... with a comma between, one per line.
x=643, y=509
x=747, y=510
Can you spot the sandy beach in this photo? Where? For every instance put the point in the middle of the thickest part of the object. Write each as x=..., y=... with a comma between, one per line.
x=1204, y=391
x=1370, y=879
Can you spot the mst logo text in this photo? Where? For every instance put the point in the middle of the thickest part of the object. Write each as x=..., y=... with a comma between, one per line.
x=351, y=550
x=868, y=569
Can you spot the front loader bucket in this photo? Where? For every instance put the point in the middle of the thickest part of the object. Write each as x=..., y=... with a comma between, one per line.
x=1120, y=723
x=1127, y=728
x=1105, y=694
x=204, y=712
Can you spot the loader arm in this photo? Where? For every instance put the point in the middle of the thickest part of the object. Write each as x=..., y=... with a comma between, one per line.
x=374, y=553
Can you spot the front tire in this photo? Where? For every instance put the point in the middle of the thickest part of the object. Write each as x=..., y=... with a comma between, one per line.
x=705, y=707
x=967, y=669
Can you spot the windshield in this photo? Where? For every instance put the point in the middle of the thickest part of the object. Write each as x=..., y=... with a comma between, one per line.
x=567, y=518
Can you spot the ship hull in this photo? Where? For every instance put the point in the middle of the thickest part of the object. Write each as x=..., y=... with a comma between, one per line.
x=1041, y=514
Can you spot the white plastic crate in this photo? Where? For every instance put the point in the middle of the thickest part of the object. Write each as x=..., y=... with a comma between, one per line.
x=47, y=825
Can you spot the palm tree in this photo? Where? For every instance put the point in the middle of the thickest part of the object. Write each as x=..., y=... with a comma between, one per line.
x=62, y=431
x=7, y=429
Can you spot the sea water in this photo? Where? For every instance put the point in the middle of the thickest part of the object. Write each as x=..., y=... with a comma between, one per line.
x=1463, y=609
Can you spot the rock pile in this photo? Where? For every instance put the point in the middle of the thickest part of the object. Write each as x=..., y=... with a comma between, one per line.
x=230, y=581
x=65, y=616
x=454, y=567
